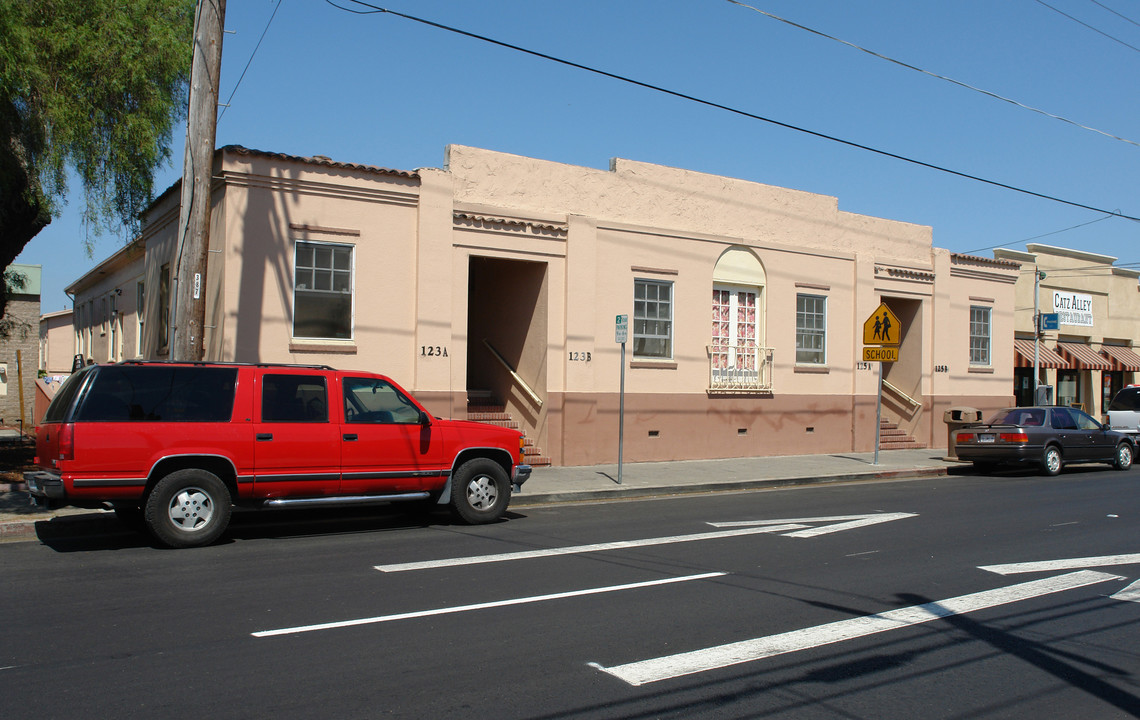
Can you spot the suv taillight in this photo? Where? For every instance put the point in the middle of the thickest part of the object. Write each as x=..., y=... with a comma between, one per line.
x=67, y=441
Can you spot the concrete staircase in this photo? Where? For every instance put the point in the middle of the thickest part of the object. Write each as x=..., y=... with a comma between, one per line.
x=481, y=407
x=891, y=437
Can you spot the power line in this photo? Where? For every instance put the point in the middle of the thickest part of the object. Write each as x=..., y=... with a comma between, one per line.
x=1090, y=27
x=569, y=63
x=1125, y=17
x=250, y=61
x=950, y=80
x=1036, y=237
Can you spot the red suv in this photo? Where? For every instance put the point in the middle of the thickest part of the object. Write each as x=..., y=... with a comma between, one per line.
x=172, y=447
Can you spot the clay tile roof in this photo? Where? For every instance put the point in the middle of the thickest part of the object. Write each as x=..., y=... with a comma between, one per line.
x=320, y=160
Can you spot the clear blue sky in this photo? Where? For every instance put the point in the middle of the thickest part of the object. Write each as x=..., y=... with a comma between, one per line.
x=383, y=90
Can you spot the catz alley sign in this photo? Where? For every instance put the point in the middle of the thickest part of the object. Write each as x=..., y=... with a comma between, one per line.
x=1073, y=308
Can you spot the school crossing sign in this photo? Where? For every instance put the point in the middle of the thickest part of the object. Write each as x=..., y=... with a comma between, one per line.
x=881, y=332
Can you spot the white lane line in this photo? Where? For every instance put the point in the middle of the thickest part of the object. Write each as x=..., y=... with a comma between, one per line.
x=836, y=523
x=1129, y=594
x=1066, y=564
x=577, y=549
x=672, y=666
x=483, y=606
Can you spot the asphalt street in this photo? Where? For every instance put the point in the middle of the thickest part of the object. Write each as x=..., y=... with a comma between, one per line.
x=865, y=600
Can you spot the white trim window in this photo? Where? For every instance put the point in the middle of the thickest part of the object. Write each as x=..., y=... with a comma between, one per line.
x=140, y=316
x=980, y=335
x=652, y=319
x=811, y=329
x=164, y=309
x=80, y=337
x=322, y=291
x=90, y=329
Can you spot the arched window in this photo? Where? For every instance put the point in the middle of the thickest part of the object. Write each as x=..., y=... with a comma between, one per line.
x=736, y=353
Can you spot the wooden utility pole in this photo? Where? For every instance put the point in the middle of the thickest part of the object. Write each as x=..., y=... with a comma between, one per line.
x=188, y=314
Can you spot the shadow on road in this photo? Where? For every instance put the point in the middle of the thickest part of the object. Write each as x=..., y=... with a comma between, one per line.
x=100, y=531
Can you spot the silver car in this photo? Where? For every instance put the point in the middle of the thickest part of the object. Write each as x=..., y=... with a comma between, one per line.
x=1124, y=411
x=1048, y=436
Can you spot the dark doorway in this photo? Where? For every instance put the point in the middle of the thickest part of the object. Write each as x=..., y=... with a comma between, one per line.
x=507, y=337
x=902, y=390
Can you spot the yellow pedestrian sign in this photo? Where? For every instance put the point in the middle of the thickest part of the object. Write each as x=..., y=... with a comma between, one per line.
x=882, y=328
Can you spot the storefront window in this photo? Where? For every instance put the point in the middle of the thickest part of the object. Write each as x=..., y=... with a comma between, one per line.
x=1068, y=387
x=1111, y=382
x=1023, y=386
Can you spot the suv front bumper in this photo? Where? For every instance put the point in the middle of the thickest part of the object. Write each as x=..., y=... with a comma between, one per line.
x=522, y=472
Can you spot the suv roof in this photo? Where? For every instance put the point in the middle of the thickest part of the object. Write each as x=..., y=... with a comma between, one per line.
x=227, y=364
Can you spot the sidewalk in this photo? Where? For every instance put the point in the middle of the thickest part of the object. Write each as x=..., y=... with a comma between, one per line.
x=18, y=519
x=599, y=482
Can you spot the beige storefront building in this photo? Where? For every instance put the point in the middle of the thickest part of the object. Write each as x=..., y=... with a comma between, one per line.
x=499, y=279
x=1092, y=352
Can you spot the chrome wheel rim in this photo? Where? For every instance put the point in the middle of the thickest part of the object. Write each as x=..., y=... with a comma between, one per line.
x=482, y=493
x=1053, y=460
x=191, y=509
x=1124, y=456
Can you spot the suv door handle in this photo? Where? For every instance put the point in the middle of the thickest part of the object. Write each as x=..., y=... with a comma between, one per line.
x=350, y=436
x=265, y=436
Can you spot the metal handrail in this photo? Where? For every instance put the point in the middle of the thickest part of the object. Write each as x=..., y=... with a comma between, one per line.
x=518, y=378
x=896, y=391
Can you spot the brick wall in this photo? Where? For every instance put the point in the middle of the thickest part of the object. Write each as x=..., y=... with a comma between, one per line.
x=24, y=315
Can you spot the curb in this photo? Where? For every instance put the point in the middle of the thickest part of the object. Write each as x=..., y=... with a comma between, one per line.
x=31, y=528
x=628, y=492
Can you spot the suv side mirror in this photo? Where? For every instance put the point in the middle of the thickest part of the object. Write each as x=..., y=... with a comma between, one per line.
x=425, y=419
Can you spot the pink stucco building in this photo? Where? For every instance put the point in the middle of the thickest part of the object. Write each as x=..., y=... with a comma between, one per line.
x=499, y=279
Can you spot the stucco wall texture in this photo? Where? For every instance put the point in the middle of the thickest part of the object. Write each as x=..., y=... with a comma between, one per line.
x=531, y=261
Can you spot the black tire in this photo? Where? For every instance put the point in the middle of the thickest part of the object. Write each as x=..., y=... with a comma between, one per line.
x=1123, y=458
x=480, y=491
x=1052, y=460
x=188, y=508
x=131, y=516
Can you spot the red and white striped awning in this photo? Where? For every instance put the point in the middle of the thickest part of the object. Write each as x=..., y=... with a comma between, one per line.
x=1083, y=357
x=1122, y=358
x=1046, y=358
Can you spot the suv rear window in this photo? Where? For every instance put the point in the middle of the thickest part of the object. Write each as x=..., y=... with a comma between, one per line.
x=64, y=397
x=1126, y=399
x=159, y=394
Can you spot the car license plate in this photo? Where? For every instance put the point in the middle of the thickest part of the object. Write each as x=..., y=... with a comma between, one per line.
x=986, y=437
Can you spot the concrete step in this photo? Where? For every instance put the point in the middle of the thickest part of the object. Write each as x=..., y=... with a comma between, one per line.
x=483, y=407
x=906, y=444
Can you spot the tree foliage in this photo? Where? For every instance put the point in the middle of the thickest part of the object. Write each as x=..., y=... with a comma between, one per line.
x=92, y=85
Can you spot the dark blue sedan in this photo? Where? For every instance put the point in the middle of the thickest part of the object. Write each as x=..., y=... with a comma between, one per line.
x=1050, y=437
